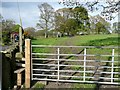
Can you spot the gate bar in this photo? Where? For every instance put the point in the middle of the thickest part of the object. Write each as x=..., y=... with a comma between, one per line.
x=84, y=64
x=58, y=52
x=112, y=70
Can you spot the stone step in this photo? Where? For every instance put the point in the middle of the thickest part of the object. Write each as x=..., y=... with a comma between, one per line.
x=19, y=55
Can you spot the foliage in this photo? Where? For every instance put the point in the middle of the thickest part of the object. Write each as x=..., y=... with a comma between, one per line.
x=100, y=28
x=6, y=29
x=81, y=15
x=16, y=28
x=72, y=20
x=71, y=26
x=99, y=21
x=29, y=32
x=5, y=37
x=39, y=33
x=116, y=27
x=26, y=34
x=46, y=17
x=109, y=8
x=59, y=23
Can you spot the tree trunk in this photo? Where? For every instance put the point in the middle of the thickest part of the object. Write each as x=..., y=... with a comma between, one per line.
x=46, y=31
x=45, y=34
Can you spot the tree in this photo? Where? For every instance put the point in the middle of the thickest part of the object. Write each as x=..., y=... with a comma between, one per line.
x=65, y=12
x=1, y=27
x=39, y=33
x=59, y=23
x=110, y=7
x=116, y=27
x=66, y=18
x=100, y=28
x=81, y=16
x=7, y=27
x=71, y=27
x=46, y=17
x=96, y=19
x=29, y=32
x=16, y=28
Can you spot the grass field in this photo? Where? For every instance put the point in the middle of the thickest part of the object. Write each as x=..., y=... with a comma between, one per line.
x=85, y=40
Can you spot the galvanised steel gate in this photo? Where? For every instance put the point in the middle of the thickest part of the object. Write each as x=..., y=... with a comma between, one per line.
x=85, y=64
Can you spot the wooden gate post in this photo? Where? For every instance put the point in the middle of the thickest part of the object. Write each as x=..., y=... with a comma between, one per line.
x=27, y=63
x=20, y=39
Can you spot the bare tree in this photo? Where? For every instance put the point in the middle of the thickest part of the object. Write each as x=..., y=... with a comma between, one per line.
x=46, y=17
x=110, y=7
x=95, y=19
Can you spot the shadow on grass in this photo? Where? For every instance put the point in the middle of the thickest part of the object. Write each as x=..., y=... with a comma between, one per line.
x=104, y=42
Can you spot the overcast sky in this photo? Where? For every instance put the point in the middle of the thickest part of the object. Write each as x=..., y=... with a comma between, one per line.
x=29, y=11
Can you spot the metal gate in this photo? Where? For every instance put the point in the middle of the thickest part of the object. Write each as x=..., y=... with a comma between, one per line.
x=85, y=64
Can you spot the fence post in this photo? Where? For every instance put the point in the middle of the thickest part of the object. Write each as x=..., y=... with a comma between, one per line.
x=58, y=52
x=20, y=39
x=27, y=63
x=84, y=64
x=112, y=69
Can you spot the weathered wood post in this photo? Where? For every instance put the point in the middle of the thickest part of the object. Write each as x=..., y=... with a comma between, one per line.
x=27, y=63
x=20, y=39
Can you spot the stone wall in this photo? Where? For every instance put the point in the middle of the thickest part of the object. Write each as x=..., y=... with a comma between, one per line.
x=8, y=68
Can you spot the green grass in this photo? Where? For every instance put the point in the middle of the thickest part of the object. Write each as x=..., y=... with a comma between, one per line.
x=49, y=41
x=77, y=86
x=39, y=85
x=85, y=40
x=94, y=40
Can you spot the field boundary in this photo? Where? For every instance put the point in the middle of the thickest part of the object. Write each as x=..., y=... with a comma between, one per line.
x=58, y=69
